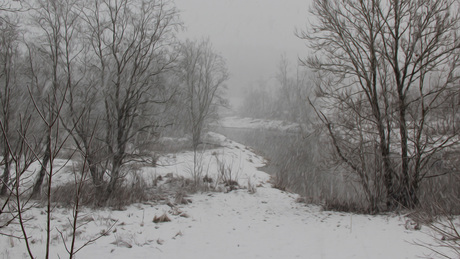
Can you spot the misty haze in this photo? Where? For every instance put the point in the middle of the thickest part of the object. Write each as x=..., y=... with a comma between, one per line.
x=229, y=129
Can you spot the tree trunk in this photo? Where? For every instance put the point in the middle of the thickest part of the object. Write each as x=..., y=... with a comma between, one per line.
x=6, y=174
x=41, y=174
x=115, y=174
x=404, y=191
x=96, y=175
x=388, y=173
x=196, y=138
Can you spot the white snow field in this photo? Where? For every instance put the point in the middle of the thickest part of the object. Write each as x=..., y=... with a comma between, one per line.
x=238, y=224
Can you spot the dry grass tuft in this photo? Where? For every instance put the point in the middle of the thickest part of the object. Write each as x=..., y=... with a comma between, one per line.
x=162, y=218
x=346, y=206
x=226, y=175
x=279, y=182
x=207, y=179
x=181, y=198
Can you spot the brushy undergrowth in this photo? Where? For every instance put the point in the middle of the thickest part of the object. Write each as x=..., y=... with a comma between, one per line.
x=90, y=196
x=345, y=206
x=138, y=190
x=305, y=165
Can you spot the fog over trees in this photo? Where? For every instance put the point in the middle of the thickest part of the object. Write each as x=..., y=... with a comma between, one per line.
x=96, y=82
x=382, y=85
x=392, y=70
x=97, y=77
x=102, y=85
x=106, y=78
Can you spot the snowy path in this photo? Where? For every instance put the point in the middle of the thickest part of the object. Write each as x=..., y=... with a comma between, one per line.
x=266, y=224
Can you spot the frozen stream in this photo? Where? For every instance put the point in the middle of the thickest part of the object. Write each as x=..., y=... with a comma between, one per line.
x=279, y=148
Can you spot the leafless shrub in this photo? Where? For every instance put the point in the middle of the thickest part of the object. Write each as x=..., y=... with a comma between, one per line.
x=379, y=109
x=122, y=242
x=199, y=167
x=207, y=179
x=449, y=235
x=129, y=193
x=344, y=205
x=226, y=175
x=445, y=236
x=280, y=180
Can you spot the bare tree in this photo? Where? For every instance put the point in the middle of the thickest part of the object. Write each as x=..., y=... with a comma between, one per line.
x=11, y=7
x=18, y=147
x=342, y=34
x=51, y=48
x=51, y=73
x=421, y=47
x=258, y=102
x=62, y=82
x=377, y=61
x=15, y=125
x=22, y=155
x=8, y=76
x=204, y=73
x=289, y=96
x=295, y=85
x=131, y=42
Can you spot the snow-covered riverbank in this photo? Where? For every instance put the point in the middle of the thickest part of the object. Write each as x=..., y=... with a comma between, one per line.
x=267, y=223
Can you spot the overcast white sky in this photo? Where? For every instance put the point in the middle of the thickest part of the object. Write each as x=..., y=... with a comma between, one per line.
x=250, y=34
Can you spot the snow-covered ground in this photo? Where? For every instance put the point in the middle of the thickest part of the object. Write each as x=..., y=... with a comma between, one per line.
x=250, y=123
x=267, y=223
